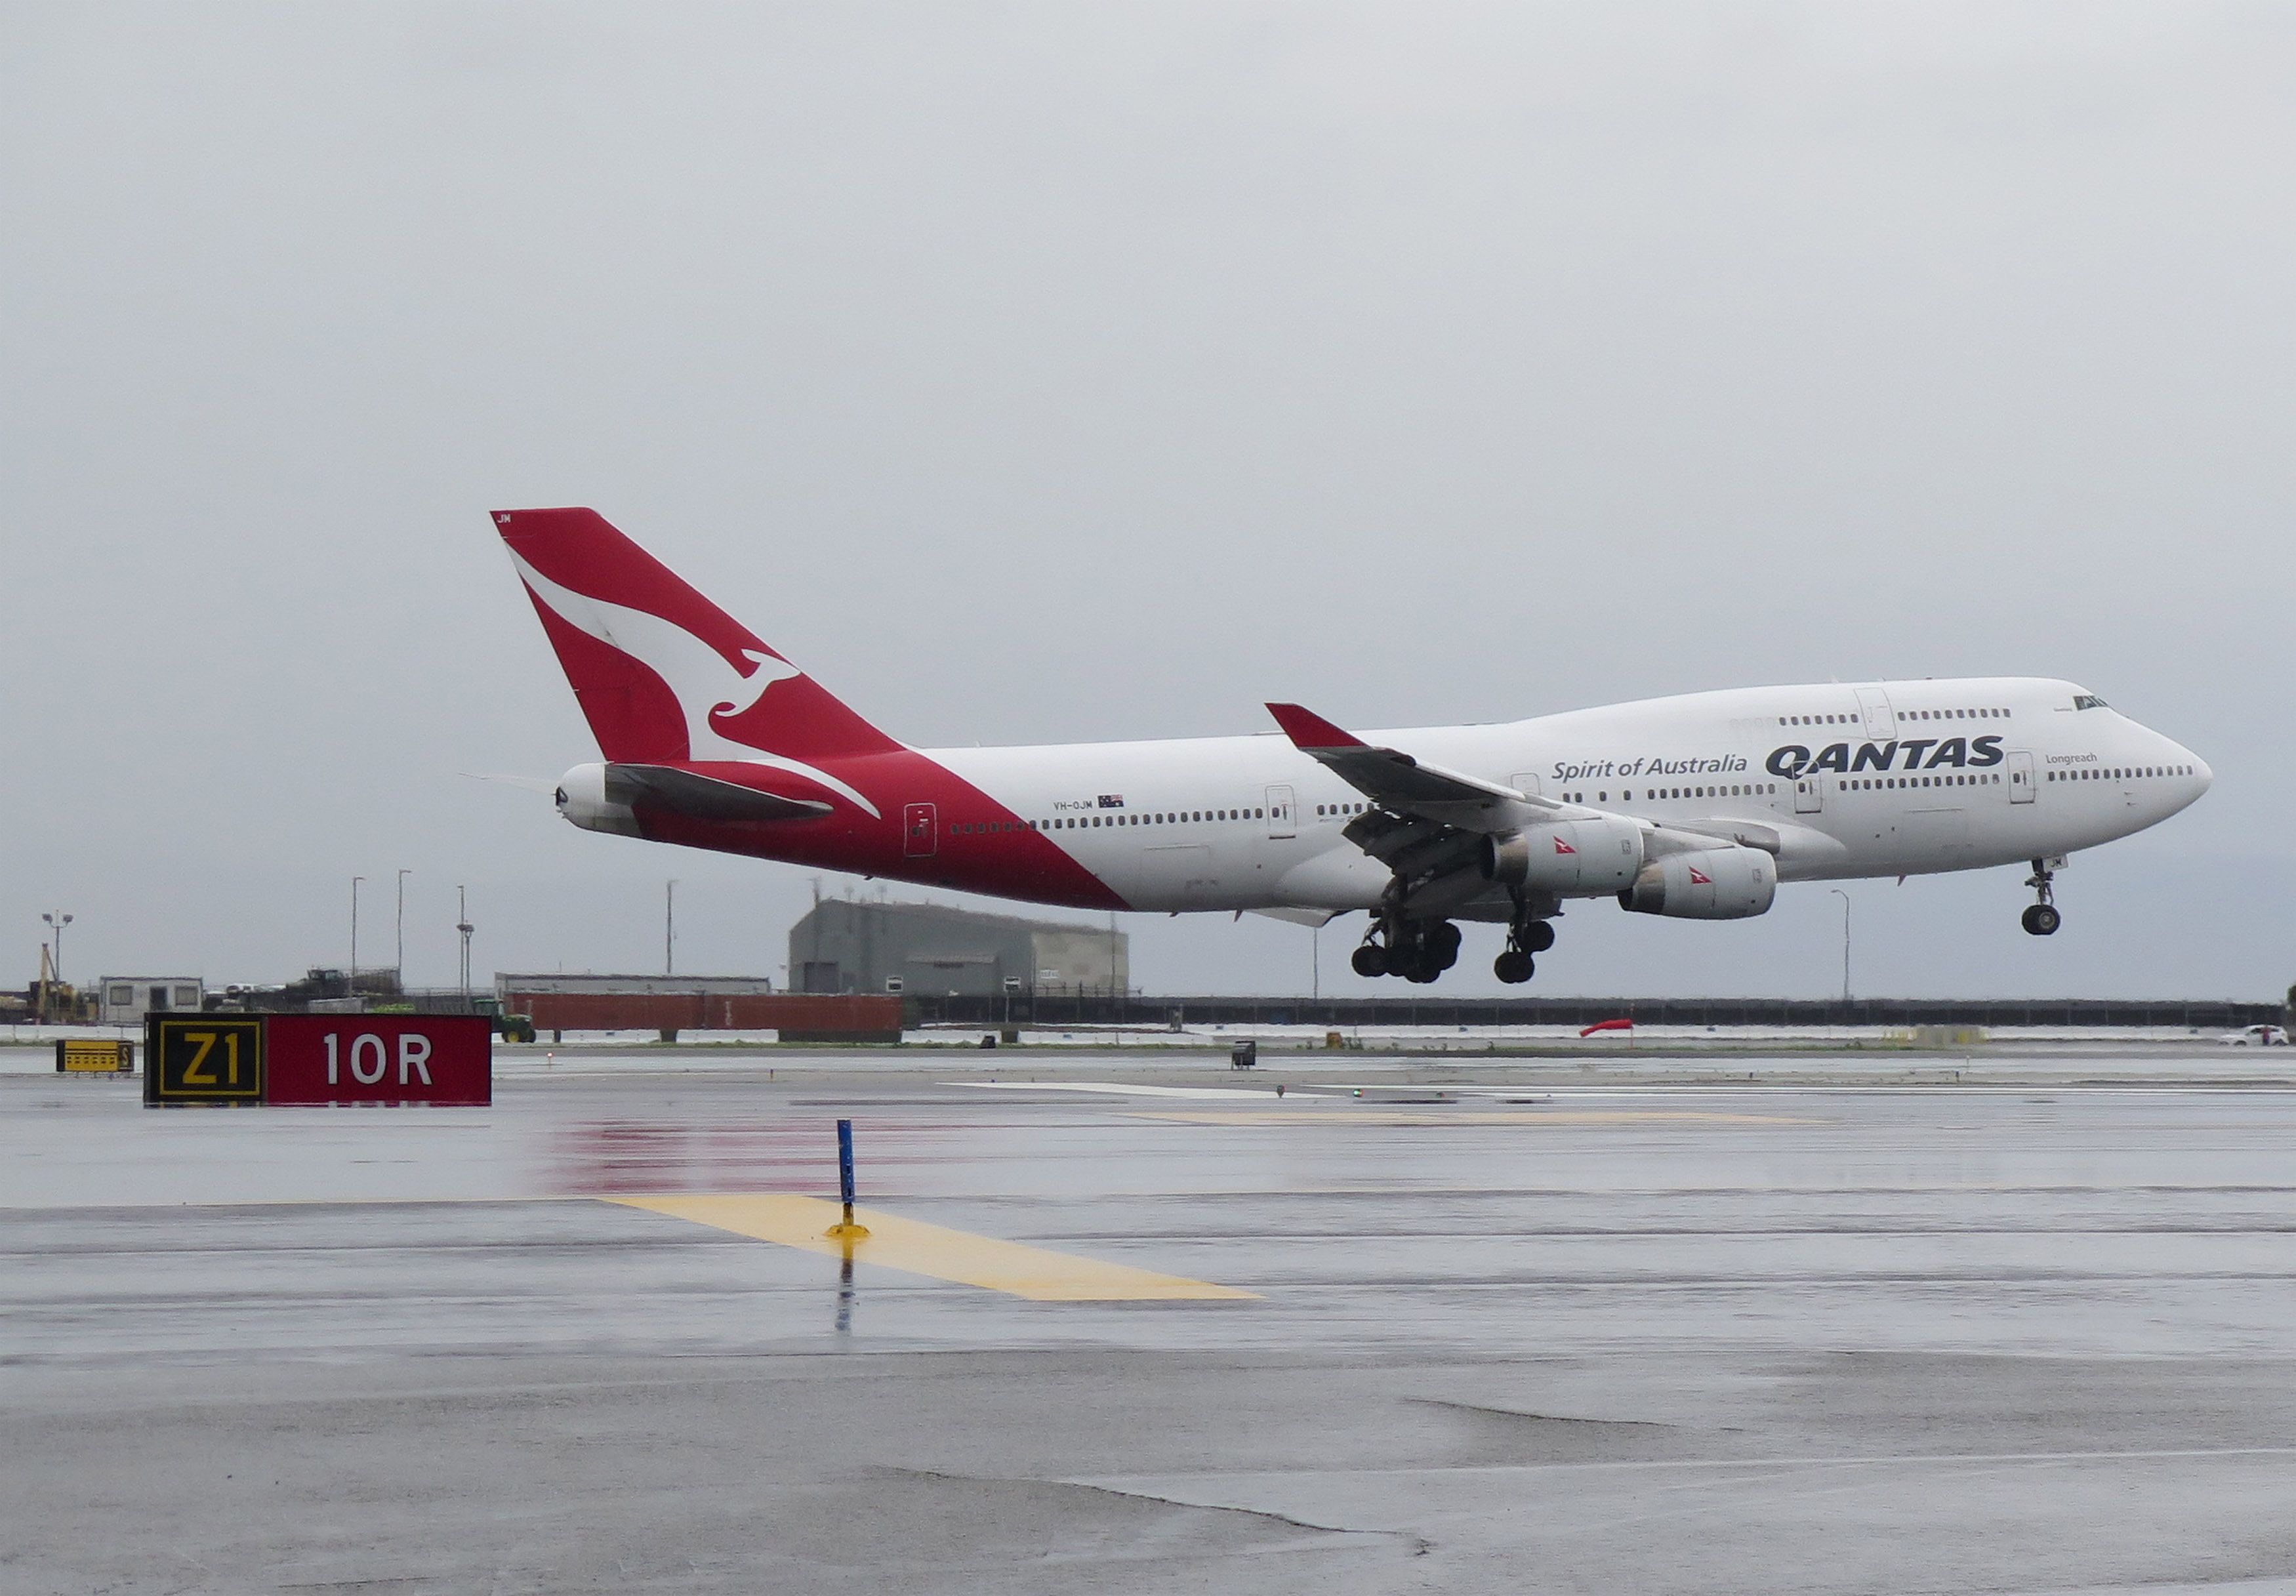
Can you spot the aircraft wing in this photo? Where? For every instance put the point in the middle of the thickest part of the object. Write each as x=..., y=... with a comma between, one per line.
x=1405, y=785
x=702, y=797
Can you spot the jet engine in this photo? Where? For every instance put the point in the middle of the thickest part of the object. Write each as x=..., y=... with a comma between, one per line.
x=1567, y=856
x=1717, y=883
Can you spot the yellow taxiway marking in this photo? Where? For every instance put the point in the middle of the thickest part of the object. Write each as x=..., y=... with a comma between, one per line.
x=1339, y=1115
x=933, y=1250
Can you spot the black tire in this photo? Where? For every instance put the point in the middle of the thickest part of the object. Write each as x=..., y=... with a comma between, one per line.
x=2042, y=920
x=1538, y=936
x=1513, y=967
x=1369, y=960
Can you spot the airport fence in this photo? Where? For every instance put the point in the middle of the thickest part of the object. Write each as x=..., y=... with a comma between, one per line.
x=1100, y=1008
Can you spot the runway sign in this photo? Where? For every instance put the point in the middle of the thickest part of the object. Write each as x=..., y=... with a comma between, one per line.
x=202, y=1059
x=82, y=1056
x=394, y=1059
x=316, y=1060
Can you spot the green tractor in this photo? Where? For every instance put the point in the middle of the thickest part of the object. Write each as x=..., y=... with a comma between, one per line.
x=510, y=1027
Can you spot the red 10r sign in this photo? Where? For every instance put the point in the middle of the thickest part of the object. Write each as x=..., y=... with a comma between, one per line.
x=445, y=1059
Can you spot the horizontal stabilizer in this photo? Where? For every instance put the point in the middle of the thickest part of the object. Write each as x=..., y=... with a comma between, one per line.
x=701, y=798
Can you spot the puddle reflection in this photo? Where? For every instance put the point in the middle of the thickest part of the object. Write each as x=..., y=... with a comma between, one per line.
x=599, y=1158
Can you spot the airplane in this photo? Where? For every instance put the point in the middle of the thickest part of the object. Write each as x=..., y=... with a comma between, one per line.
x=1695, y=807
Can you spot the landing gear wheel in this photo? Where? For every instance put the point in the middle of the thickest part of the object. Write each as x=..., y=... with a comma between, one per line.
x=1525, y=937
x=1442, y=945
x=1417, y=950
x=2042, y=920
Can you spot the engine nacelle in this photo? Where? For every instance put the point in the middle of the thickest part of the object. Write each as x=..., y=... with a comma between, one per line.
x=1716, y=883
x=1567, y=857
x=582, y=798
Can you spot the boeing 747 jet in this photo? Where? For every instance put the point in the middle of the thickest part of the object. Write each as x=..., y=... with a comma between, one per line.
x=1695, y=807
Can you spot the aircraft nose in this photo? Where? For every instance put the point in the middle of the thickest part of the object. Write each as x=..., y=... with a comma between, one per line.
x=2197, y=773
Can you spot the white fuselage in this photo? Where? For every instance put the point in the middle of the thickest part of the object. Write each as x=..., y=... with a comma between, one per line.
x=1888, y=779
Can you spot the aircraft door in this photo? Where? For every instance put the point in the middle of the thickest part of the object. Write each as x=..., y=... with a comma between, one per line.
x=2021, y=776
x=1281, y=820
x=1809, y=795
x=1881, y=719
x=920, y=831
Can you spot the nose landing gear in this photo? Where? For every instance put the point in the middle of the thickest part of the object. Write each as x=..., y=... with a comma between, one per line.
x=2042, y=920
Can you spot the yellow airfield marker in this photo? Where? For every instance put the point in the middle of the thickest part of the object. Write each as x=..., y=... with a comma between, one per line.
x=1343, y=1115
x=932, y=1250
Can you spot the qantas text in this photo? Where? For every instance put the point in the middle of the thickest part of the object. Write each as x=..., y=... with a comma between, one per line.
x=1915, y=753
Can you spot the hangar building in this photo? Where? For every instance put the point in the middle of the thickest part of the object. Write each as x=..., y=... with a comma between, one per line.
x=929, y=950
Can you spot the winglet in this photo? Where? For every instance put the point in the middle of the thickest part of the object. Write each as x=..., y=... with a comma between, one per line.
x=1309, y=731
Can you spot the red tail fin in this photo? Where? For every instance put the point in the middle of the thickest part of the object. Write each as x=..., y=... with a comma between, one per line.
x=660, y=672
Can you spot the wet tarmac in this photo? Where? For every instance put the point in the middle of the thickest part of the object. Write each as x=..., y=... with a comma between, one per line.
x=1483, y=1327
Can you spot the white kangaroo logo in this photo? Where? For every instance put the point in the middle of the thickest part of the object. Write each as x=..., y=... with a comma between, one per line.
x=697, y=675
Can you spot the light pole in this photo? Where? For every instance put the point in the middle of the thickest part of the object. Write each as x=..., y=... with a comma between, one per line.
x=1845, y=940
x=350, y=987
x=57, y=922
x=1116, y=1009
x=669, y=927
x=464, y=928
x=399, y=955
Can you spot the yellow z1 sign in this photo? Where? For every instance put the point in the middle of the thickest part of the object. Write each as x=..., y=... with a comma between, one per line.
x=203, y=1059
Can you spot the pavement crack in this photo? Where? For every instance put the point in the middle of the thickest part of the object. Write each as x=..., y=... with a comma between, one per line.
x=1479, y=1407
x=1419, y=1545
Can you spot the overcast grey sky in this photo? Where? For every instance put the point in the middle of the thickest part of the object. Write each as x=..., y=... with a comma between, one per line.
x=1033, y=373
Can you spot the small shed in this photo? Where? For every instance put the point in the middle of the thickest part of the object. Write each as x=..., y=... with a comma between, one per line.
x=126, y=999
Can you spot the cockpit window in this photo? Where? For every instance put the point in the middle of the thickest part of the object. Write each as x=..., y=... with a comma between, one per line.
x=2087, y=701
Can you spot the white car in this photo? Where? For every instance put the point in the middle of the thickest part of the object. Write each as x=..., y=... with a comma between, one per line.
x=2257, y=1035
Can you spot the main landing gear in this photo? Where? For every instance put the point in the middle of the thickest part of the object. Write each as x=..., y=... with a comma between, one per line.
x=1417, y=950
x=1420, y=950
x=1515, y=965
x=2042, y=920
